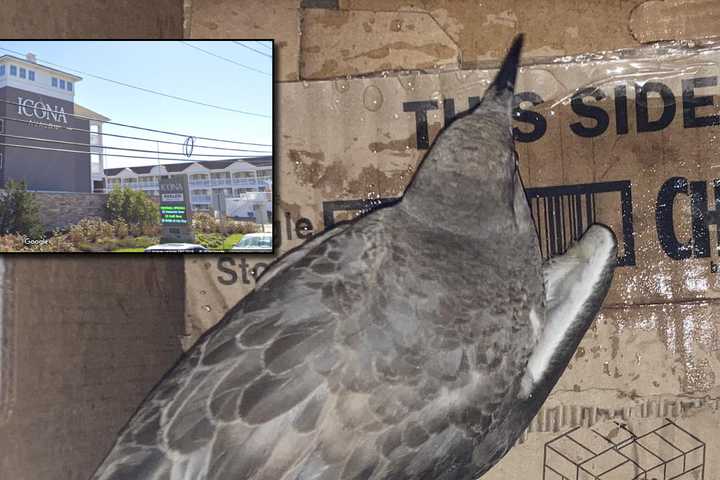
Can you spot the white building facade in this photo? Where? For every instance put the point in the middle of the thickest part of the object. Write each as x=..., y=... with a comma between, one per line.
x=211, y=183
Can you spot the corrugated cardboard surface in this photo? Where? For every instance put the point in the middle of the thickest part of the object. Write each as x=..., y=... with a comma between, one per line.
x=279, y=19
x=325, y=38
x=652, y=356
x=82, y=341
x=97, y=19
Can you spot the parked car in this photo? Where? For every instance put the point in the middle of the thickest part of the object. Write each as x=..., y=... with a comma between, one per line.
x=254, y=242
x=176, y=247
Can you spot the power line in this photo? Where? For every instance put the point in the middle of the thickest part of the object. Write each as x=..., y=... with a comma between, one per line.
x=147, y=90
x=226, y=59
x=87, y=152
x=140, y=128
x=263, y=45
x=117, y=155
x=250, y=48
x=105, y=134
x=79, y=144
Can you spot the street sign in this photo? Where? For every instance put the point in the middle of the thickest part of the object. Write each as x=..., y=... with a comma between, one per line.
x=175, y=209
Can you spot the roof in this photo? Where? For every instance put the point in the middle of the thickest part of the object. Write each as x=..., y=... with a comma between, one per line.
x=216, y=164
x=181, y=166
x=86, y=112
x=260, y=161
x=144, y=169
x=27, y=62
x=111, y=172
x=177, y=167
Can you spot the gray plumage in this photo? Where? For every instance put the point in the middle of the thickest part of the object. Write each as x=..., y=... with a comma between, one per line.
x=412, y=343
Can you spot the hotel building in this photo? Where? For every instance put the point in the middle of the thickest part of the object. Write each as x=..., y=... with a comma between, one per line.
x=42, y=141
x=211, y=183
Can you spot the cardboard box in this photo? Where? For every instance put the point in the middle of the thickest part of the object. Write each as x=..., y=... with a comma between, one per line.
x=27, y=19
x=82, y=341
x=642, y=157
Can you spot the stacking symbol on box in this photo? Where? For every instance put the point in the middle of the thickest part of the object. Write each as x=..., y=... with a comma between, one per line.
x=613, y=452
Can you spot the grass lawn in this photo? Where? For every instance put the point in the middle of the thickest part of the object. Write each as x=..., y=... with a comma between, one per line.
x=230, y=241
x=126, y=250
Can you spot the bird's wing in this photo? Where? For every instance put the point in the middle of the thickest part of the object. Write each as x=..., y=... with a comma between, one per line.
x=247, y=401
x=575, y=286
x=296, y=254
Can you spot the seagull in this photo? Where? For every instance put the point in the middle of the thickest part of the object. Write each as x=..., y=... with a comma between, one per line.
x=416, y=342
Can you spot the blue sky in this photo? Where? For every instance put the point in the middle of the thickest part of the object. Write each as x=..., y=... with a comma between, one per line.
x=174, y=68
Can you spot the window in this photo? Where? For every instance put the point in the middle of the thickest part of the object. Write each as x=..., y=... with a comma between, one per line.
x=1, y=161
x=2, y=125
x=54, y=82
x=94, y=136
x=69, y=86
x=31, y=75
x=13, y=70
x=62, y=84
x=2, y=70
x=23, y=73
x=95, y=163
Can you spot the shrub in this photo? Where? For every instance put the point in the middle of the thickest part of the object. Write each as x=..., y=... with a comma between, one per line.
x=149, y=230
x=210, y=240
x=57, y=243
x=242, y=227
x=205, y=223
x=12, y=243
x=121, y=227
x=135, y=208
x=144, y=242
x=19, y=211
x=90, y=230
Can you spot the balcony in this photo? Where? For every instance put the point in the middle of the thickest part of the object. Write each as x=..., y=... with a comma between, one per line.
x=254, y=196
x=201, y=198
x=244, y=182
x=199, y=183
x=221, y=182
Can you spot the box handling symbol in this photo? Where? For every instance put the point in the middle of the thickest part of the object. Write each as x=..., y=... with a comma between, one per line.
x=668, y=452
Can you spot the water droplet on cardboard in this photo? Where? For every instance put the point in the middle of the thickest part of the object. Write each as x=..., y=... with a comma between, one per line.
x=408, y=81
x=342, y=85
x=372, y=98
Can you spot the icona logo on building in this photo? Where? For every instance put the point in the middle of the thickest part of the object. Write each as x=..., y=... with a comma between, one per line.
x=38, y=109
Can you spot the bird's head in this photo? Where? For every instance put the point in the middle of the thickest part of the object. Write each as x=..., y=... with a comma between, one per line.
x=470, y=173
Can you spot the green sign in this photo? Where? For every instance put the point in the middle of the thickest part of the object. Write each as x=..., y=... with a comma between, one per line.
x=173, y=214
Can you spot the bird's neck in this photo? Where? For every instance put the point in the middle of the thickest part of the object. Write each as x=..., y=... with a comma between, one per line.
x=466, y=210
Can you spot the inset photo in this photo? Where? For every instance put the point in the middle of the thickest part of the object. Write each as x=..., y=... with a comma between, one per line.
x=136, y=146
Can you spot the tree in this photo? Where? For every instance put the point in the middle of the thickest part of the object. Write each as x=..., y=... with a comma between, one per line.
x=136, y=208
x=19, y=211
